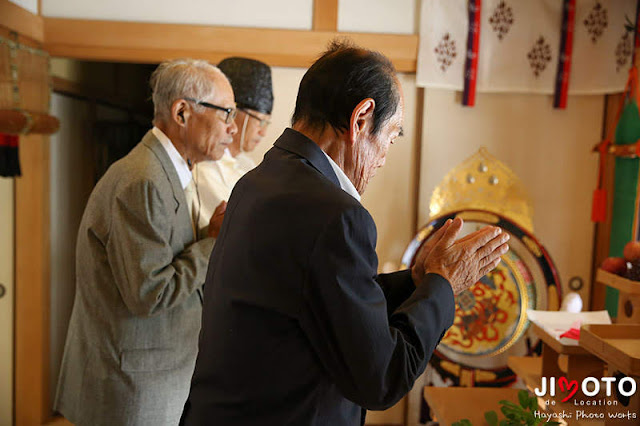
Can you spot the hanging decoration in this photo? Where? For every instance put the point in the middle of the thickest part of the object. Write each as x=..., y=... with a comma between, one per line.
x=559, y=47
x=24, y=99
x=9, y=161
x=566, y=49
x=471, y=62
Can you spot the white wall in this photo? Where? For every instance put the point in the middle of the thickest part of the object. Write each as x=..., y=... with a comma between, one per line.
x=6, y=302
x=288, y=14
x=381, y=16
x=71, y=161
x=30, y=5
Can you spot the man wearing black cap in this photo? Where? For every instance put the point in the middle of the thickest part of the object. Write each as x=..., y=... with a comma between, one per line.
x=251, y=82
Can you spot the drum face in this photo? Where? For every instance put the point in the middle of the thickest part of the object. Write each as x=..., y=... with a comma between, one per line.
x=491, y=321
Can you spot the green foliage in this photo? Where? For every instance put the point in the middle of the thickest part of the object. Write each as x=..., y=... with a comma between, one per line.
x=491, y=417
x=523, y=397
x=516, y=415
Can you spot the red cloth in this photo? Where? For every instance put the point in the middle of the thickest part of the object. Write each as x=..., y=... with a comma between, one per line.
x=572, y=333
x=9, y=159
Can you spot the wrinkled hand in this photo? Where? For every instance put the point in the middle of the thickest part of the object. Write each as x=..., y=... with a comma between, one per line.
x=215, y=223
x=417, y=269
x=465, y=261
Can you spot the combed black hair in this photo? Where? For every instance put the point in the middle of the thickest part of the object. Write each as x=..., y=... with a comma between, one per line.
x=340, y=79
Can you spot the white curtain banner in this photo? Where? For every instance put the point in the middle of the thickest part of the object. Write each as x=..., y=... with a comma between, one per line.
x=520, y=44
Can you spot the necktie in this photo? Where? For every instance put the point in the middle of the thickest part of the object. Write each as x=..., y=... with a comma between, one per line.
x=190, y=194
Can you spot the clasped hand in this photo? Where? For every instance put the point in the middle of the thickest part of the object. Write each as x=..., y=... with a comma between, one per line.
x=461, y=262
x=215, y=223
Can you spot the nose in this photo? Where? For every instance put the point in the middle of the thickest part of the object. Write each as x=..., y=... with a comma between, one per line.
x=232, y=128
x=263, y=131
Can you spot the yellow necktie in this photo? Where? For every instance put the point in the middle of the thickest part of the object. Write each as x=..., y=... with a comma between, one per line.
x=192, y=203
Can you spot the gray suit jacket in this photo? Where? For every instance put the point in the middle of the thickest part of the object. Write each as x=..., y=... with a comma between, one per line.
x=133, y=335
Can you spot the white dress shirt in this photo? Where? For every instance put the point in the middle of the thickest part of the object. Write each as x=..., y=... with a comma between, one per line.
x=345, y=182
x=216, y=179
x=184, y=174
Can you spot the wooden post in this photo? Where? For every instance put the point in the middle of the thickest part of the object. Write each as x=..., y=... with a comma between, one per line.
x=32, y=283
x=325, y=15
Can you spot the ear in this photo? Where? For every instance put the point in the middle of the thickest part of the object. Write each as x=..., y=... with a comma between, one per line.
x=180, y=112
x=361, y=118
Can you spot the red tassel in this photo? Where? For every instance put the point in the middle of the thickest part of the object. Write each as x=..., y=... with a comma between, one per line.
x=599, y=206
x=9, y=159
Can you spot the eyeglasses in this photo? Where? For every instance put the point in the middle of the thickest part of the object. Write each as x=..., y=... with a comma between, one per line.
x=263, y=121
x=231, y=112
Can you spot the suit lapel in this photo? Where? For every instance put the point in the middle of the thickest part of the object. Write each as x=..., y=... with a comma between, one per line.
x=301, y=145
x=150, y=141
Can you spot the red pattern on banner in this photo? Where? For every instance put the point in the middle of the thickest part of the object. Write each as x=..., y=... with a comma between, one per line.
x=473, y=47
x=566, y=51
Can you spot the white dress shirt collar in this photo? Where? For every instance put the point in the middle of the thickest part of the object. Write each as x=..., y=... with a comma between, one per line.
x=345, y=183
x=228, y=158
x=184, y=174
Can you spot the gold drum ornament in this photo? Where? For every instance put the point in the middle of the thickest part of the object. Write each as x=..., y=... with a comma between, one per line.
x=490, y=321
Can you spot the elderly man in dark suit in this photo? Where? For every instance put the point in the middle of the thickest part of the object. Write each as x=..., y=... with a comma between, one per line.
x=298, y=328
x=132, y=339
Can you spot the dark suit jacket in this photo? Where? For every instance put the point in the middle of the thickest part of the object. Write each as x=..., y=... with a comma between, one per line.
x=297, y=328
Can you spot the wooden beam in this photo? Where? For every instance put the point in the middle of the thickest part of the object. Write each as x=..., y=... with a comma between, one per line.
x=152, y=43
x=14, y=121
x=325, y=15
x=602, y=233
x=11, y=35
x=32, y=406
x=21, y=21
x=417, y=162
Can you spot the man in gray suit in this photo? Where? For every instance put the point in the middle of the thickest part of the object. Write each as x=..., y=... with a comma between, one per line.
x=132, y=339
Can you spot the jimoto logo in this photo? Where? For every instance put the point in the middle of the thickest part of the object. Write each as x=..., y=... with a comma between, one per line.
x=595, y=392
x=590, y=386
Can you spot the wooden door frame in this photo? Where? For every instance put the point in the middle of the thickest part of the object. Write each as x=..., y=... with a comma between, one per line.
x=32, y=263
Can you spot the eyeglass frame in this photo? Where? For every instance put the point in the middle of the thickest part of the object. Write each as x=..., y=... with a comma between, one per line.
x=264, y=123
x=231, y=112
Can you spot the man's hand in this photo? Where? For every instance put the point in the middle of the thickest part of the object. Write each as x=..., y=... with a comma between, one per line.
x=417, y=269
x=465, y=261
x=215, y=223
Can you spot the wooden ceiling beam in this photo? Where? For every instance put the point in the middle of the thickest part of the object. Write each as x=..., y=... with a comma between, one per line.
x=151, y=43
x=21, y=21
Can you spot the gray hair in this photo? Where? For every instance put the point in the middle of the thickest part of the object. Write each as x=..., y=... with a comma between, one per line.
x=180, y=78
